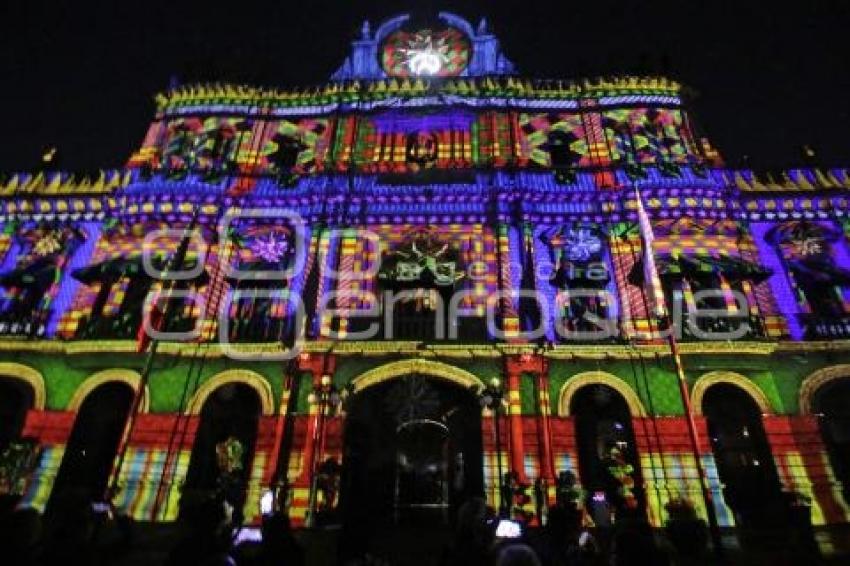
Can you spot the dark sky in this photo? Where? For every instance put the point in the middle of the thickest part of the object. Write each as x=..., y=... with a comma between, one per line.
x=81, y=75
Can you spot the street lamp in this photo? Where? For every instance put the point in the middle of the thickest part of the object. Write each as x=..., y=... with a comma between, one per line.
x=326, y=395
x=492, y=398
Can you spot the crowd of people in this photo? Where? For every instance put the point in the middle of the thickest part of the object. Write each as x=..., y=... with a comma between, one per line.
x=562, y=542
x=206, y=535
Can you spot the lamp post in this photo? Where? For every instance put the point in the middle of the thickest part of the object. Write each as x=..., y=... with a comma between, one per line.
x=326, y=396
x=492, y=398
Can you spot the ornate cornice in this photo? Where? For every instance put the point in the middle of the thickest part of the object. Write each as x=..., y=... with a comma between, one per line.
x=420, y=349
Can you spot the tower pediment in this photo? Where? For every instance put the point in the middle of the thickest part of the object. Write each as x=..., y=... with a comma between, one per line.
x=401, y=48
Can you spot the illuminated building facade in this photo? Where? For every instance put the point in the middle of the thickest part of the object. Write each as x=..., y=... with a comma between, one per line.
x=372, y=252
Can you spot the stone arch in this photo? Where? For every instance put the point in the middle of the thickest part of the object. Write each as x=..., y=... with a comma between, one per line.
x=31, y=377
x=579, y=380
x=246, y=377
x=815, y=380
x=705, y=381
x=92, y=382
x=432, y=368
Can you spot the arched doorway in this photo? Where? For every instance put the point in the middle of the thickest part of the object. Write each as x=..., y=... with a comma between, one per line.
x=16, y=399
x=219, y=465
x=743, y=457
x=412, y=451
x=93, y=443
x=606, y=441
x=832, y=405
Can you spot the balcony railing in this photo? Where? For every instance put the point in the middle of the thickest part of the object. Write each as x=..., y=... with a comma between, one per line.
x=715, y=328
x=260, y=329
x=29, y=325
x=115, y=328
x=824, y=327
x=418, y=328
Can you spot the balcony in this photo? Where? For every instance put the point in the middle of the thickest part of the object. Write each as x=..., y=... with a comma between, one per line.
x=719, y=327
x=578, y=330
x=825, y=327
x=125, y=327
x=260, y=329
x=420, y=328
x=30, y=325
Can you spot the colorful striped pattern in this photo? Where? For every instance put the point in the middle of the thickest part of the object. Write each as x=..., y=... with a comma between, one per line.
x=41, y=482
x=139, y=480
x=327, y=258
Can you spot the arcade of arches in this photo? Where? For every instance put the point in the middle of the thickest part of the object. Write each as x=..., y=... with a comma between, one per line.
x=414, y=432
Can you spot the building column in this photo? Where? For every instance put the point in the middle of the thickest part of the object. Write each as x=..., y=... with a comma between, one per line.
x=317, y=365
x=515, y=423
x=547, y=464
x=311, y=440
x=272, y=475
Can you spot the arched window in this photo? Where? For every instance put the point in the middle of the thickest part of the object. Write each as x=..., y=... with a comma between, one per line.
x=605, y=441
x=743, y=457
x=16, y=399
x=93, y=443
x=832, y=404
x=224, y=446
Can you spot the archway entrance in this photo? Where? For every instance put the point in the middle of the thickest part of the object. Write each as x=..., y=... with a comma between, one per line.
x=832, y=403
x=412, y=452
x=93, y=443
x=16, y=399
x=744, y=462
x=422, y=468
x=606, y=444
x=224, y=446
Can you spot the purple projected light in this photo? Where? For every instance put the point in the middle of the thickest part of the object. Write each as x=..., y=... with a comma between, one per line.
x=394, y=122
x=782, y=291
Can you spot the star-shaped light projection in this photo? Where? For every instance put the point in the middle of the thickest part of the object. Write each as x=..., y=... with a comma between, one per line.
x=47, y=244
x=581, y=244
x=425, y=54
x=271, y=248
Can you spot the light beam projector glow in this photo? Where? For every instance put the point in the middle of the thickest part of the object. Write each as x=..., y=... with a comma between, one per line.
x=508, y=529
x=425, y=62
x=267, y=502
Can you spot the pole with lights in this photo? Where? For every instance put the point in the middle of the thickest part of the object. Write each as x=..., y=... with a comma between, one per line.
x=326, y=396
x=492, y=398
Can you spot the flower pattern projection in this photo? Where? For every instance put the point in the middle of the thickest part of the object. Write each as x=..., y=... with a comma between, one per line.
x=578, y=244
x=426, y=53
x=809, y=247
x=803, y=240
x=581, y=244
x=270, y=248
x=47, y=244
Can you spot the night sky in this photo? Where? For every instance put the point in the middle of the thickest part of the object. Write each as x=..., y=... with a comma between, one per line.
x=82, y=75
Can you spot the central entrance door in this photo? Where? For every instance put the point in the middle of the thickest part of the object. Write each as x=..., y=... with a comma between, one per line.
x=422, y=469
x=412, y=453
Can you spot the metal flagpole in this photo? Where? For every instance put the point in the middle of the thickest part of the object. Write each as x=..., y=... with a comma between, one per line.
x=656, y=298
x=176, y=263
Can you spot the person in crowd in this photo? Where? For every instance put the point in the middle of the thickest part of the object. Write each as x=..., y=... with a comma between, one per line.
x=473, y=538
x=70, y=528
x=20, y=536
x=279, y=544
x=633, y=544
x=205, y=536
x=517, y=555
